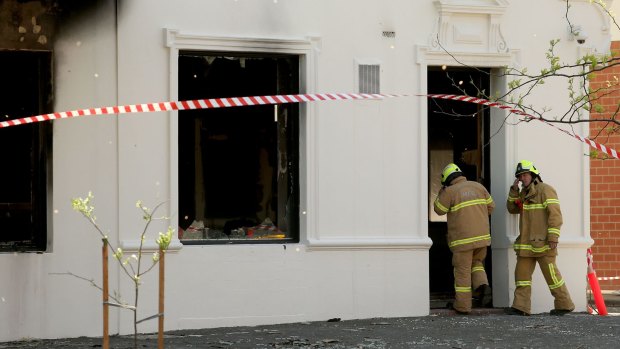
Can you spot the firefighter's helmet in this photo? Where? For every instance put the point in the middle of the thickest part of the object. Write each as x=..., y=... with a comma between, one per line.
x=526, y=166
x=450, y=172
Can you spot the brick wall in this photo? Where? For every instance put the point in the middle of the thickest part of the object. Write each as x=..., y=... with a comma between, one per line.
x=605, y=187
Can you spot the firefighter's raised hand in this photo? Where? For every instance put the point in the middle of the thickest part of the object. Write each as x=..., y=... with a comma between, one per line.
x=515, y=184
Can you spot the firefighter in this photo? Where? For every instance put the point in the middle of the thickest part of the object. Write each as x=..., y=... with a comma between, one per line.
x=540, y=219
x=468, y=206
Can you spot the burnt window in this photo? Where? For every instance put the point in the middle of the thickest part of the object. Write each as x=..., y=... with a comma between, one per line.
x=238, y=167
x=26, y=150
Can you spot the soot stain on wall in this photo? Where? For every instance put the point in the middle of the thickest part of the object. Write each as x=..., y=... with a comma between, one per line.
x=34, y=24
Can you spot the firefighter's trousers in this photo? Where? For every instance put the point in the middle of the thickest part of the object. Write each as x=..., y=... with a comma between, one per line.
x=523, y=282
x=468, y=271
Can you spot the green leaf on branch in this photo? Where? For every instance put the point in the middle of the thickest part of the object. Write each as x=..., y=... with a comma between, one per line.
x=83, y=205
x=164, y=239
x=599, y=108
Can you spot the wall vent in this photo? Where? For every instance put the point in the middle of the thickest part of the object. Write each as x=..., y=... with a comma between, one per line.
x=369, y=78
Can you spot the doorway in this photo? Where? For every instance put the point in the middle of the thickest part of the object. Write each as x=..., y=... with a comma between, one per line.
x=458, y=132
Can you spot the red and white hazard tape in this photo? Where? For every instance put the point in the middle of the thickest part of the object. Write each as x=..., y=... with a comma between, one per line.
x=609, y=151
x=195, y=104
x=276, y=99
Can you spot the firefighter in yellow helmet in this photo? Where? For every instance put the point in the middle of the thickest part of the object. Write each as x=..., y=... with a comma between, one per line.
x=540, y=220
x=468, y=206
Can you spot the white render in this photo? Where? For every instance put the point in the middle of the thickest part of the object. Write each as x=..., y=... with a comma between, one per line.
x=364, y=236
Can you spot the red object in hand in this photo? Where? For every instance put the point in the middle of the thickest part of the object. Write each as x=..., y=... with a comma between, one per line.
x=519, y=203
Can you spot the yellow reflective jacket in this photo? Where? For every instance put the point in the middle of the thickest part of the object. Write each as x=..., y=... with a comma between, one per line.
x=540, y=219
x=468, y=205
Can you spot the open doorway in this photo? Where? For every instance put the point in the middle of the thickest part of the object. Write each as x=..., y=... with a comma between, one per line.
x=457, y=132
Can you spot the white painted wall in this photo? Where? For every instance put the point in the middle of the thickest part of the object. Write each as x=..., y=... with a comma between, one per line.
x=551, y=149
x=364, y=249
x=614, y=6
x=34, y=302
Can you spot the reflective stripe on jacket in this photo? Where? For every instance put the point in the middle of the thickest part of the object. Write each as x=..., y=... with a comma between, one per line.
x=540, y=219
x=468, y=205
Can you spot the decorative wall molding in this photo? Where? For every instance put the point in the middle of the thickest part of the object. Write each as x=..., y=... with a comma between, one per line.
x=368, y=243
x=148, y=246
x=472, y=25
x=187, y=41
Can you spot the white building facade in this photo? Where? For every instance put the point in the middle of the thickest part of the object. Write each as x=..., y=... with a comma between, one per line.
x=341, y=188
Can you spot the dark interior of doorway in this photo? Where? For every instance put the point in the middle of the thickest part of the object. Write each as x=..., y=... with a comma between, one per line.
x=457, y=132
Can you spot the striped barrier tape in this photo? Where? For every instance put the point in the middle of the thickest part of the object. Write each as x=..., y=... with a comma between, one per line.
x=278, y=99
x=195, y=104
x=609, y=151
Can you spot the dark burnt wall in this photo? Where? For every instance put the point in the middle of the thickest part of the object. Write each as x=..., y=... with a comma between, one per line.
x=33, y=24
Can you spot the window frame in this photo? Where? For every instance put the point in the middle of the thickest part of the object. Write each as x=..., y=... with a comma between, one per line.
x=307, y=49
x=41, y=160
x=215, y=117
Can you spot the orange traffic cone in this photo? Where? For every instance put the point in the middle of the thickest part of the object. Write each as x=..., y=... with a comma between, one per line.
x=595, y=287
